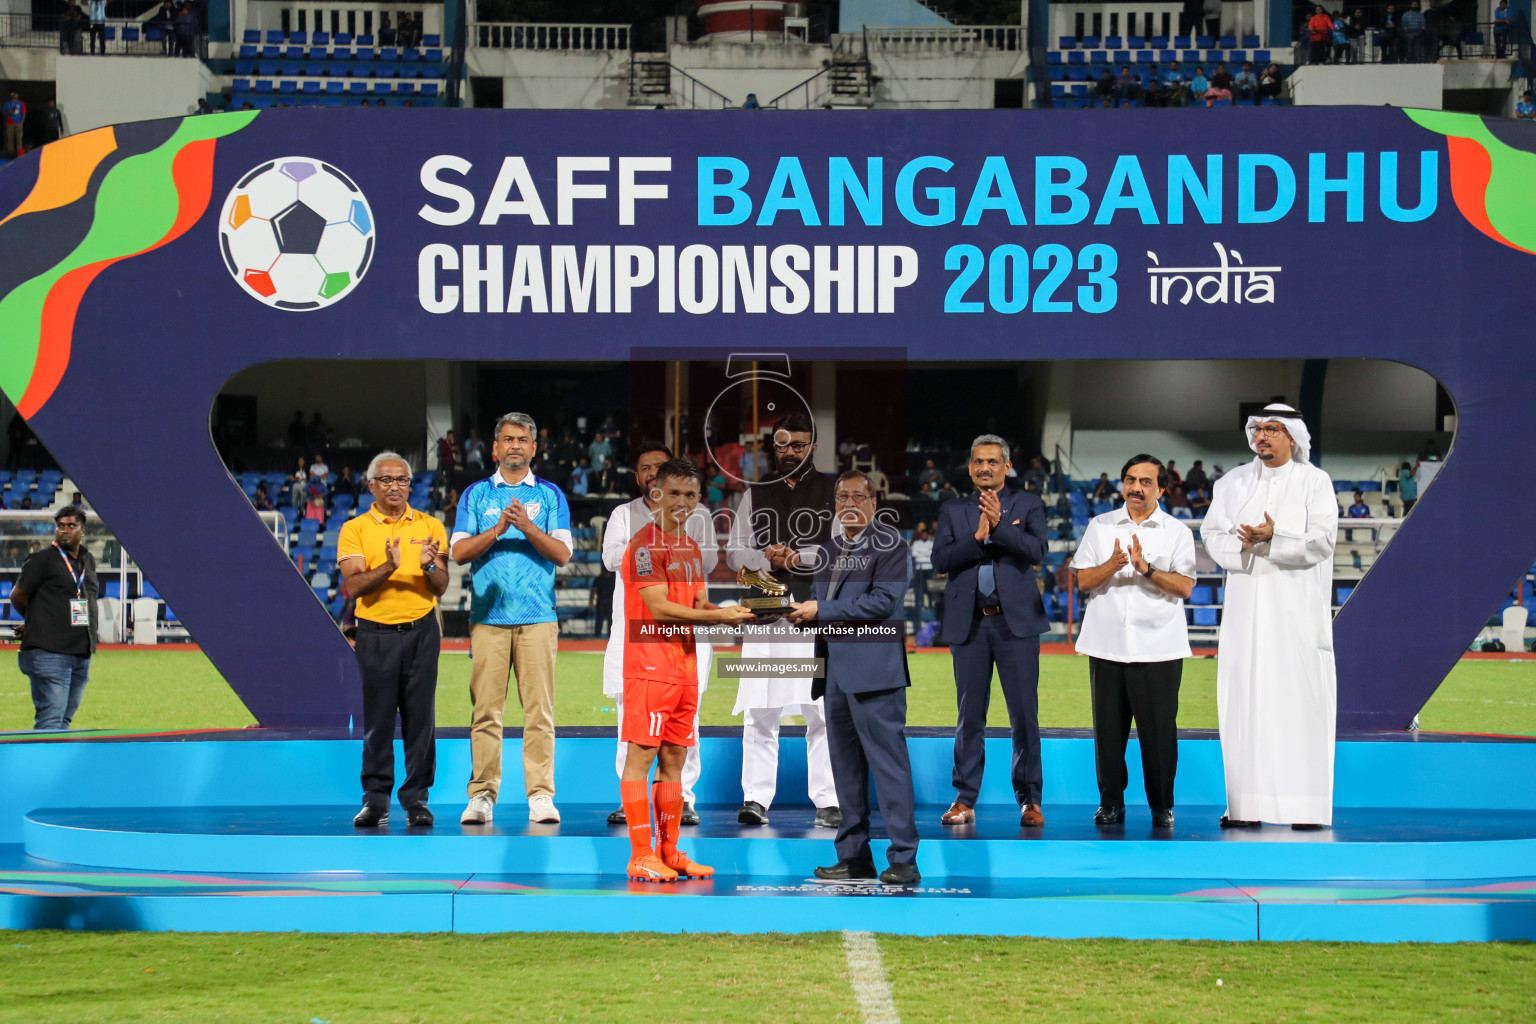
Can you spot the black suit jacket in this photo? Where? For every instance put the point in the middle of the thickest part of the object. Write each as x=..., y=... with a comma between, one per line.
x=1015, y=548
x=872, y=591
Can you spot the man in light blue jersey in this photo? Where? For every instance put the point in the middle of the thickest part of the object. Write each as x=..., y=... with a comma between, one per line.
x=514, y=529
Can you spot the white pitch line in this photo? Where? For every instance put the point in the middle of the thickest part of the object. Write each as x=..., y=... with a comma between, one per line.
x=867, y=974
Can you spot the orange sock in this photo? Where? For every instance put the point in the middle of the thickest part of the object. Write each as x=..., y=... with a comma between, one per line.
x=668, y=798
x=637, y=811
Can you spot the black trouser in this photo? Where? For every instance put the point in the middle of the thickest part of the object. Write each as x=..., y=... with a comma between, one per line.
x=1149, y=692
x=99, y=31
x=1018, y=669
x=399, y=670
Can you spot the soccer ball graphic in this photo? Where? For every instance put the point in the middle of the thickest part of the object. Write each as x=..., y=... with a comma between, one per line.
x=296, y=233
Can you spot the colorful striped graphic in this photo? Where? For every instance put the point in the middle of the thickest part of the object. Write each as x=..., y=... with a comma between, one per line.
x=113, y=194
x=1490, y=179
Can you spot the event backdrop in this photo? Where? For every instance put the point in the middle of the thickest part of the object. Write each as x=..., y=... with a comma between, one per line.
x=142, y=266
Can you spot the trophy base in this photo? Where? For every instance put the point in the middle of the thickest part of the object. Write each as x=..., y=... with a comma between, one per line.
x=767, y=607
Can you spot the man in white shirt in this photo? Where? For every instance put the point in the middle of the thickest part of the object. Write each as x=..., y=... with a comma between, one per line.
x=1273, y=525
x=626, y=521
x=1137, y=564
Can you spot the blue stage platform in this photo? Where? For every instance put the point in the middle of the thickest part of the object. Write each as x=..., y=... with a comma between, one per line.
x=215, y=832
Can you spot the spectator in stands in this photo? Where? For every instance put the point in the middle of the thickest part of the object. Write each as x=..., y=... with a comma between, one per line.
x=1269, y=86
x=514, y=529
x=26, y=503
x=1106, y=89
x=314, y=505
x=1128, y=87
x=600, y=448
x=1036, y=473
x=1103, y=489
x=1217, y=473
x=930, y=472
x=751, y=102
x=1413, y=33
x=96, y=13
x=56, y=595
x=1391, y=36
x=1246, y=83
x=262, y=502
x=581, y=478
x=1195, y=479
x=1354, y=30
x=447, y=454
x=165, y=20
x=1220, y=87
x=947, y=492
x=1174, y=479
x=1319, y=35
x=1501, y=30
x=186, y=31
x=1198, y=86
x=1189, y=17
x=608, y=481
x=298, y=483
x=1340, y=38
x=318, y=470
x=386, y=31
x=1525, y=109
x=1199, y=502
x=346, y=483
x=474, y=453
x=1177, y=88
x=1407, y=487
x=14, y=114
x=1359, y=510
x=718, y=486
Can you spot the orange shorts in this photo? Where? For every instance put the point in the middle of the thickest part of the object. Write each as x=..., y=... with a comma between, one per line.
x=657, y=713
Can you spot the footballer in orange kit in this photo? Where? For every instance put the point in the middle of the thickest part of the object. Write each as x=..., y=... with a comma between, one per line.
x=664, y=598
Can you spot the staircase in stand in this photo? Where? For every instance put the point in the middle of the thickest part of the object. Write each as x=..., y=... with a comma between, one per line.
x=650, y=80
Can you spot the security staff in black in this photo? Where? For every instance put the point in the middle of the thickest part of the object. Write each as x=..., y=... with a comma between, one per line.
x=56, y=595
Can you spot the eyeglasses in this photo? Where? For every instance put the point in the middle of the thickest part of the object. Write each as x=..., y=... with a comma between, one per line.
x=1268, y=430
x=848, y=498
x=385, y=481
x=798, y=447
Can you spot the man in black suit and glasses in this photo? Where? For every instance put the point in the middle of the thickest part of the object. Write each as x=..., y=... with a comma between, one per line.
x=988, y=544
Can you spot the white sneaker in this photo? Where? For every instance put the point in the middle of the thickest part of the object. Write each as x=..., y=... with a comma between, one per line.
x=481, y=808
x=542, y=809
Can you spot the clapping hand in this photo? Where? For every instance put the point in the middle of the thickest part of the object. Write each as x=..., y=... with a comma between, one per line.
x=518, y=516
x=1252, y=536
x=429, y=552
x=505, y=519
x=392, y=553
x=1117, y=558
x=1137, y=558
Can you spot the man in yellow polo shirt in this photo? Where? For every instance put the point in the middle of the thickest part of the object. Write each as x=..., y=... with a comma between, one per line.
x=394, y=561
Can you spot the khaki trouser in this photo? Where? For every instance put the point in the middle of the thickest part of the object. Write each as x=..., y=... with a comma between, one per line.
x=497, y=651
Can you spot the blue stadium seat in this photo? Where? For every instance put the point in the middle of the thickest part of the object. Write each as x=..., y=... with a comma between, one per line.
x=314, y=69
x=1205, y=42
x=1167, y=56
x=1053, y=57
x=1064, y=43
x=248, y=52
x=320, y=39
x=262, y=102
x=263, y=85
x=240, y=85
x=365, y=40
x=274, y=37
x=1341, y=594
x=271, y=52
x=1122, y=56
x=413, y=56
x=1090, y=42
x=429, y=90
x=294, y=53
x=1213, y=56
x=318, y=53
x=312, y=88
x=130, y=33
x=1136, y=43
x=362, y=70
x=1057, y=74
x=357, y=88
x=1145, y=57
x=1112, y=43
x=1201, y=595
x=252, y=35
x=288, y=88
x=1158, y=43
x=1237, y=56
x=1098, y=57
x=343, y=39
x=1261, y=57
x=389, y=53
x=1222, y=103
x=1077, y=74
x=1181, y=42
x=432, y=40
x=245, y=67
x=387, y=70
x=298, y=38
x=267, y=68
x=292, y=69
x=1077, y=57
x=1205, y=616
x=432, y=56
x=363, y=53
x=1191, y=57
x=410, y=71
x=1057, y=91
x=383, y=89
x=335, y=88
x=1227, y=42
x=406, y=89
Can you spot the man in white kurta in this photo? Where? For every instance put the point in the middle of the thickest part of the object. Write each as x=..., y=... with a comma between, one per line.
x=622, y=525
x=1272, y=526
x=779, y=527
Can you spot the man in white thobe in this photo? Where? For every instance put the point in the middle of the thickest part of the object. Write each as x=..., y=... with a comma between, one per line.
x=1272, y=526
x=781, y=524
x=622, y=525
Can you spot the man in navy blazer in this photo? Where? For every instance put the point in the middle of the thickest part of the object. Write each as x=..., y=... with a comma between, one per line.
x=988, y=543
x=859, y=588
